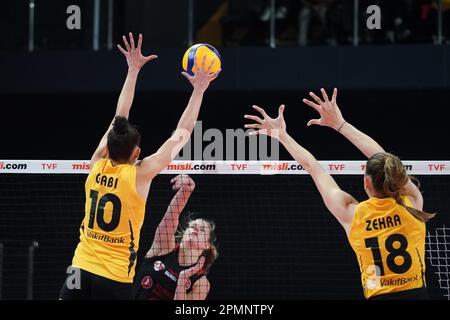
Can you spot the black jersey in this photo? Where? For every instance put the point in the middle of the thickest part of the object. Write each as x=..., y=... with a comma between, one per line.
x=158, y=276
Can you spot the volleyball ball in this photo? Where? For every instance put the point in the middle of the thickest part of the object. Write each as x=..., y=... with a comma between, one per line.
x=197, y=52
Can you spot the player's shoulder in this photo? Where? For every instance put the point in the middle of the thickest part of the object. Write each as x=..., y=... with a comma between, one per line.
x=94, y=164
x=203, y=280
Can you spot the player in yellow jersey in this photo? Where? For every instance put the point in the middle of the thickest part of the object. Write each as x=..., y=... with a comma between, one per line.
x=116, y=191
x=386, y=232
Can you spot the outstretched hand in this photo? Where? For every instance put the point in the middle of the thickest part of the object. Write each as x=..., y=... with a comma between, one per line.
x=267, y=125
x=134, y=56
x=330, y=114
x=202, y=77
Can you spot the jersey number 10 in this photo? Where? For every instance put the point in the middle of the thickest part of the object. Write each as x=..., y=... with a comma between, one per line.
x=100, y=212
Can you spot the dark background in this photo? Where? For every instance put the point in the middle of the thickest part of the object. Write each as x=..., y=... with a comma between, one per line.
x=411, y=123
x=276, y=239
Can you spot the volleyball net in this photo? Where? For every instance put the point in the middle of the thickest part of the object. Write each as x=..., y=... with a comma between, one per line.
x=276, y=239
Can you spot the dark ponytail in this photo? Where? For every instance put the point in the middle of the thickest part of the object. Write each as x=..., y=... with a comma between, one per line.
x=122, y=140
x=120, y=125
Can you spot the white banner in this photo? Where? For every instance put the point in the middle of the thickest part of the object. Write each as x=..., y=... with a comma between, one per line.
x=338, y=167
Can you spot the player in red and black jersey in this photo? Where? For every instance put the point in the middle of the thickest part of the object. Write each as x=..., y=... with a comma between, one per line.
x=176, y=265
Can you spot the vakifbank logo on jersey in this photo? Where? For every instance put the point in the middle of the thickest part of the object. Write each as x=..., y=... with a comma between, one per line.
x=12, y=166
x=375, y=281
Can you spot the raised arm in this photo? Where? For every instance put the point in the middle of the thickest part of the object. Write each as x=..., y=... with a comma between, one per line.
x=152, y=165
x=339, y=203
x=331, y=116
x=164, y=240
x=135, y=61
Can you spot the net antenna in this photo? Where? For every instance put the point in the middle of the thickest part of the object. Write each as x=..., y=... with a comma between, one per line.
x=438, y=256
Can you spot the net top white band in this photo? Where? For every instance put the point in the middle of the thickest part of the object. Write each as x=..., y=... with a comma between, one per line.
x=338, y=167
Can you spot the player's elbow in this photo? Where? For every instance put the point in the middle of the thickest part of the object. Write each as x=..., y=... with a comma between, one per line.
x=181, y=136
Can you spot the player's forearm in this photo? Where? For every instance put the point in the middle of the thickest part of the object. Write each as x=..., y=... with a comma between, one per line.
x=300, y=154
x=324, y=182
x=362, y=141
x=179, y=201
x=180, y=292
x=190, y=114
x=127, y=94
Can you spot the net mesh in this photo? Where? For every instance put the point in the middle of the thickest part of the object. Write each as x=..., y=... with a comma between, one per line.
x=438, y=256
x=276, y=240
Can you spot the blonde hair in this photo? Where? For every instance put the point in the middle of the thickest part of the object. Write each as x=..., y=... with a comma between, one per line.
x=389, y=176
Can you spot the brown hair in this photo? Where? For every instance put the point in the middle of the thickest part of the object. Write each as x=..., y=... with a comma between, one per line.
x=389, y=177
x=210, y=254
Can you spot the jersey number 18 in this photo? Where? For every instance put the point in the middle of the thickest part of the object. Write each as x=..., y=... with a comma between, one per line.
x=373, y=244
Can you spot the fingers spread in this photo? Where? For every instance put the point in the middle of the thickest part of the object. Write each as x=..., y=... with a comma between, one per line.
x=140, y=41
x=196, y=66
x=333, y=98
x=214, y=74
x=203, y=62
x=311, y=104
x=255, y=118
x=313, y=122
x=210, y=65
x=150, y=58
x=316, y=98
x=324, y=95
x=121, y=49
x=125, y=41
x=281, y=110
x=253, y=126
x=132, y=41
x=260, y=110
x=186, y=75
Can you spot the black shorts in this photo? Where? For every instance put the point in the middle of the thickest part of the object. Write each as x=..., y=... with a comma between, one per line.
x=413, y=294
x=83, y=285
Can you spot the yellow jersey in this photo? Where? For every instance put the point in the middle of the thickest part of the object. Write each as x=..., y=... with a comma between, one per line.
x=110, y=230
x=389, y=243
